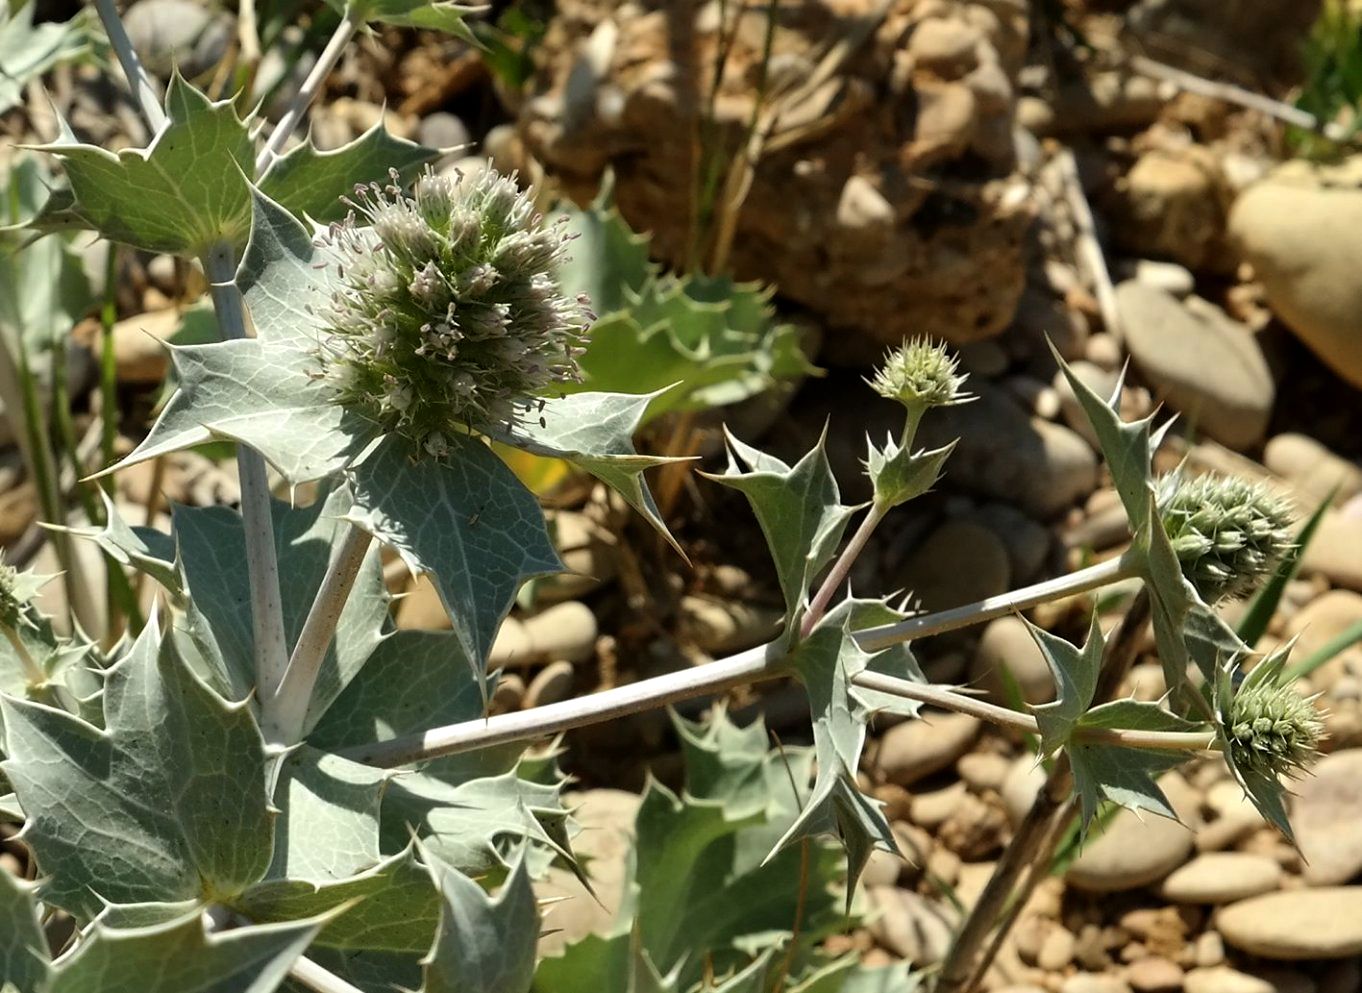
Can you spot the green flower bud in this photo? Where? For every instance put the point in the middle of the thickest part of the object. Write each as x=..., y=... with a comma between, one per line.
x=1270, y=728
x=1228, y=533
x=920, y=374
x=448, y=315
x=17, y=590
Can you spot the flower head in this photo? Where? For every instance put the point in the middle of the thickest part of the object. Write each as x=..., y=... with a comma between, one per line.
x=17, y=590
x=920, y=374
x=1227, y=533
x=1271, y=729
x=448, y=314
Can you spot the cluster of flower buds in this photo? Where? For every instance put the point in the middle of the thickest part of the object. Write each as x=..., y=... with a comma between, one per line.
x=919, y=374
x=1227, y=533
x=1270, y=728
x=448, y=315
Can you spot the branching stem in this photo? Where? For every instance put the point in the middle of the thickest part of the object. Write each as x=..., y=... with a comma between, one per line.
x=285, y=712
x=326, y=61
x=262, y=561
x=138, y=80
x=763, y=662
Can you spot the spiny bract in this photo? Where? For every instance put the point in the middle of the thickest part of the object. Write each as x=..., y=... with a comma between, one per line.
x=920, y=374
x=448, y=315
x=1227, y=533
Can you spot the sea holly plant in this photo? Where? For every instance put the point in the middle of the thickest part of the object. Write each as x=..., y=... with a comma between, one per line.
x=270, y=786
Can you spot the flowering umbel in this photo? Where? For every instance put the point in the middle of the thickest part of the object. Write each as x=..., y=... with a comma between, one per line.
x=920, y=374
x=448, y=315
x=1227, y=533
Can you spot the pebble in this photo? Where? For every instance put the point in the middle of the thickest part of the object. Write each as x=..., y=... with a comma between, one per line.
x=140, y=355
x=909, y=925
x=1223, y=979
x=1336, y=550
x=509, y=694
x=606, y=818
x=1209, y=949
x=1206, y=365
x=553, y=684
x=1086, y=982
x=588, y=559
x=511, y=646
x=177, y=34
x=1057, y=950
x=1104, y=351
x=1136, y=850
x=1023, y=782
x=1319, y=622
x=1222, y=877
x=932, y=809
x=1007, y=646
x=945, y=47
x=721, y=627
x=563, y=631
x=1154, y=974
x=1166, y=276
x=960, y=562
x=915, y=749
x=1324, y=923
x=1312, y=468
x=1027, y=542
x=1301, y=235
x=862, y=208
x=1038, y=466
x=983, y=770
x=444, y=131
x=1326, y=815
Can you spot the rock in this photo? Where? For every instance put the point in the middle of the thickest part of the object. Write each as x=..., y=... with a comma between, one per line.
x=443, y=131
x=1056, y=951
x=1312, y=468
x=511, y=646
x=1326, y=814
x=1166, y=276
x=509, y=694
x=1023, y=782
x=553, y=684
x=607, y=821
x=975, y=829
x=945, y=47
x=1087, y=982
x=563, y=631
x=1301, y=924
x=983, y=771
x=1336, y=550
x=1209, y=949
x=1321, y=621
x=1135, y=851
x=588, y=557
x=863, y=208
x=1169, y=206
x=140, y=354
x=1205, y=365
x=1027, y=542
x=916, y=749
x=1154, y=974
x=1007, y=646
x=721, y=627
x=1104, y=351
x=932, y=809
x=1040, y=467
x=177, y=34
x=911, y=926
x=1299, y=232
x=959, y=563
x=1222, y=877
x=1223, y=979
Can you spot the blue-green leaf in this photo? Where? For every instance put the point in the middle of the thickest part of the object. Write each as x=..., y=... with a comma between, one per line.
x=485, y=943
x=23, y=946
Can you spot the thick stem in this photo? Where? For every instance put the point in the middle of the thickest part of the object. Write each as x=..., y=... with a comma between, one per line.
x=326, y=61
x=314, y=977
x=267, y=611
x=963, y=962
x=138, y=80
x=285, y=713
x=762, y=662
x=841, y=567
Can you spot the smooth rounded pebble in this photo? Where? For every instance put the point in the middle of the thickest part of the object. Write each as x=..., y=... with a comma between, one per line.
x=1222, y=877
x=1321, y=923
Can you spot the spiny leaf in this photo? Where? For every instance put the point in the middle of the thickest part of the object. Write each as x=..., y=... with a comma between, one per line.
x=144, y=548
x=1076, y=672
x=23, y=946
x=603, y=963
x=465, y=519
x=310, y=183
x=168, y=804
x=26, y=52
x=799, y=509
x=485, y=944
x=178, y=957
x=899, y=474
x=180, y=195
x=595, y=432
x=440, y=15
x=1125, y=776
x=328, y=825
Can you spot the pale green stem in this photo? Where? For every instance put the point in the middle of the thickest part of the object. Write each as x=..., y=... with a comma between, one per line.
x=138, y=80
x=267, y=612
x=312, y=85
x=314, y=977
x=838, y=574
x=33, y=673
x=284, y=714
x=763, y=662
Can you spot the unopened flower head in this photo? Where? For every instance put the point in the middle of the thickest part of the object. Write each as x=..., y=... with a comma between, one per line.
x=16, y=593
x=920, y=374
x=1271, y=729
x=448, y=315
x=1227, y=533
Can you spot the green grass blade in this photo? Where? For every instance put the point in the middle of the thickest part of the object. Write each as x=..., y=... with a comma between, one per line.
x=1267, y=599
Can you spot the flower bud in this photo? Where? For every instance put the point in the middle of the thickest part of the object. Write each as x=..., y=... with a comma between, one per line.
x=920, y=374
x=1271, y=729
x=447, y=314
x=1227, y=533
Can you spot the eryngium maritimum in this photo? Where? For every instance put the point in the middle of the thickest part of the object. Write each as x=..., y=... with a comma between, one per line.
x=1271, y=729
x=920, y=374
x=1227, y=533
x=448, y=315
